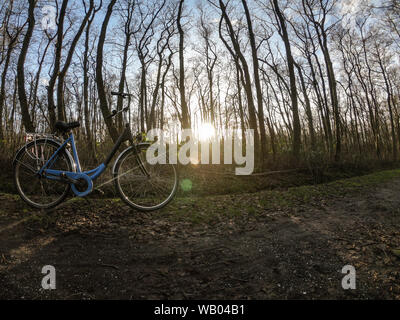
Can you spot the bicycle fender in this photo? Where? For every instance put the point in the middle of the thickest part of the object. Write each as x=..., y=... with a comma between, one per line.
x=70, y=158
x=139, y=145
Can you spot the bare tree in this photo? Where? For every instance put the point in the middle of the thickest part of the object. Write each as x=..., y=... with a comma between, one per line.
x=12, y=38
x=260, y=108
x=99, y=74
x=293, y=89
x=56, y=68
x=26, y=118
x=321, y=29
x=67, y=63
x=238, y=56
x=186, y=123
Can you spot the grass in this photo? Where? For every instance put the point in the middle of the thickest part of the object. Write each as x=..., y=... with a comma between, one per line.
x=198, y=209
x=337, y=188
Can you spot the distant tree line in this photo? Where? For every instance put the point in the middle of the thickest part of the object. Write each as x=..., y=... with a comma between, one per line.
x=314, y=79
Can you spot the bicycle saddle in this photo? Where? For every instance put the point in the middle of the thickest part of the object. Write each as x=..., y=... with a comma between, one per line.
x=66, y=126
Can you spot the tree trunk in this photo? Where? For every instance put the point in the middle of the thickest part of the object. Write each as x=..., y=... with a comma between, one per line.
x=293, y=90
x=184, y=107
x=238, y=56
x=63, y=72
x=260, y=109
x=122, y=80
x=389, y=102
x=23, y=101
x=308, y=108
x=57, y=60
x=89, y=137
x=99, y=75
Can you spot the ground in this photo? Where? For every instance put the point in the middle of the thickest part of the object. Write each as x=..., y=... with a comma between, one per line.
x=285, y=244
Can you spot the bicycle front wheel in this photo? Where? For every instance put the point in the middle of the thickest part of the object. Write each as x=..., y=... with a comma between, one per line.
x=142, y=185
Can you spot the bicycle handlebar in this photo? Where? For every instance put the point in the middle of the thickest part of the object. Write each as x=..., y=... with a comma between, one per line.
x=123, y=95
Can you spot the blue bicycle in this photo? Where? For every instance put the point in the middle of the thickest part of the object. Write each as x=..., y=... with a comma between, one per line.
x=45, y=170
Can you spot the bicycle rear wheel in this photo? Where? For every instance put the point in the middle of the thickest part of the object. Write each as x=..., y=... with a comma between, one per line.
x=40, y=192
x=142, y=185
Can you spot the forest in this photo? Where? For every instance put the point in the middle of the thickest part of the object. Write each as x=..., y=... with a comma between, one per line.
x=317, y=82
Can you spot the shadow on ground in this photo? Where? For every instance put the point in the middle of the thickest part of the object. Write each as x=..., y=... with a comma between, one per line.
x=103, y=250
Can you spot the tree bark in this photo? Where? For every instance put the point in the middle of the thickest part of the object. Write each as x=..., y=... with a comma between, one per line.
x=99, y=75
x=238, y=56
x=308, y=107
x=260, y=108
x=64, y=70
x=184, y=107
x=23, y=101
x=57, y=60
x=293, y=89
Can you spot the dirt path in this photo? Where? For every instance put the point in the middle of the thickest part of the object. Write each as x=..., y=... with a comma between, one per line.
x=101, y=249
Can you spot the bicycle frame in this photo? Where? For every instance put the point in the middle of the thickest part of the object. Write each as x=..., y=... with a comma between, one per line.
x=88, y=176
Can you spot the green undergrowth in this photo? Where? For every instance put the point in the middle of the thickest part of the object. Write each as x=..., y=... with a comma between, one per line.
x=208, y=209
x=199, y=209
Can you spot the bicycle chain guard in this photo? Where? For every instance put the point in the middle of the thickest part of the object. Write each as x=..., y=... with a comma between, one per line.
x=78, y=176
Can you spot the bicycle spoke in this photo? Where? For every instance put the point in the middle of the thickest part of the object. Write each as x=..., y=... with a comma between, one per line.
x=145, y=191
x=39, y=191
x=27, y=166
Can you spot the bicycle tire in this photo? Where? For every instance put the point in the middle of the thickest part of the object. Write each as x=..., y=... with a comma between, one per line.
x=17, y=171
x=117, y=175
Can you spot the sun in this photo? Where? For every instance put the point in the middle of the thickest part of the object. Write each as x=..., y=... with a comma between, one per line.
x=206, y=131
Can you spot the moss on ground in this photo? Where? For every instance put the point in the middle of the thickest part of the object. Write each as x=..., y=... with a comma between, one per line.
x=197, y=209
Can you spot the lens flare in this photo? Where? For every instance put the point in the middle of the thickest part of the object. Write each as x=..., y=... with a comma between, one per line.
x=205, y=131
x=186, y=185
